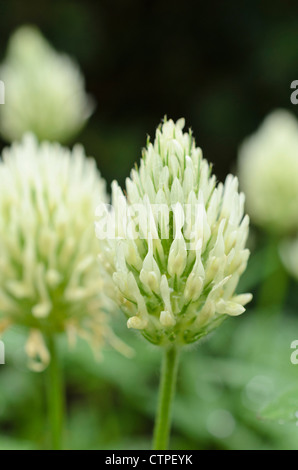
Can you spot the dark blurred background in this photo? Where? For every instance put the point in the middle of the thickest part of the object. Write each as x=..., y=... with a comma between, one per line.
x=221, y=65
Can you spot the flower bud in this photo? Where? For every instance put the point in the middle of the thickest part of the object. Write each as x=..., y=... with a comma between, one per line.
x=190, y=245
x=44, y=90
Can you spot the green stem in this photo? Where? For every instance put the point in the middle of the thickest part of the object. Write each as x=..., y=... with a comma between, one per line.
x=55, y=394
x=166, y=395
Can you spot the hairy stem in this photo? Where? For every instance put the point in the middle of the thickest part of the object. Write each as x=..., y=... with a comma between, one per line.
x=55, y=395
x=166, y=394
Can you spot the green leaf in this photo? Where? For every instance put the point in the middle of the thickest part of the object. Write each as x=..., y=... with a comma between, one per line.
x=283, y=409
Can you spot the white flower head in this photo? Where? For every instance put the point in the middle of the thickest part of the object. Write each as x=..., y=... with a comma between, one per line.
x=268, y=169
x=44, y=90
x=49, y=275
x=177, y=246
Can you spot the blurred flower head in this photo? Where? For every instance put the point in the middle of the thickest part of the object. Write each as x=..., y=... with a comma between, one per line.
x=176, y=248
x=268, y=169
x=49, y=275
x=44, y=90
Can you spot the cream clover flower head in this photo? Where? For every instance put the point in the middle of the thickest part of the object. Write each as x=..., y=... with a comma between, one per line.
x=49, y=275
x=268, y=169
x=44, y=90
x=173, y=248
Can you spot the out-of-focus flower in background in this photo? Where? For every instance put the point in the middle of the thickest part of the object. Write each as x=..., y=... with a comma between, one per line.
x=176, y=279
x=44, y=90
x=49, y=274
x=268, y=173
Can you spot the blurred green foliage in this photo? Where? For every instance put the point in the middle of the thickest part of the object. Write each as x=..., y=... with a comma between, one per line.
x=224, y=384
x=241, y=368
x=224, y=68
